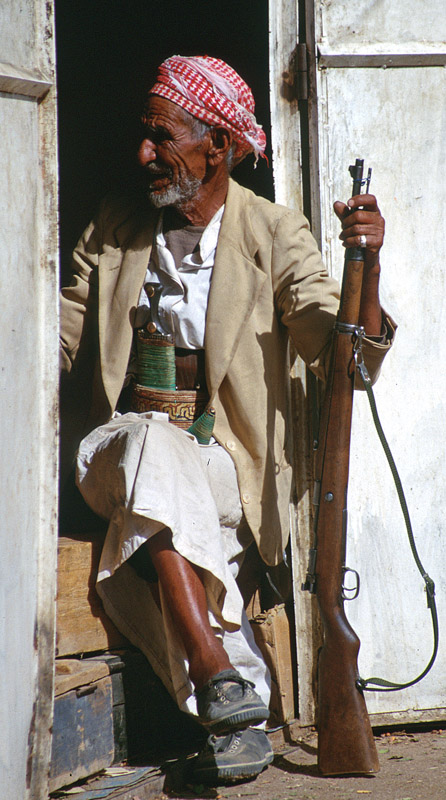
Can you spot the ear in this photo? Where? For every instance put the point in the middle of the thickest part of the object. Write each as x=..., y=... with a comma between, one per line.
x=221, y=141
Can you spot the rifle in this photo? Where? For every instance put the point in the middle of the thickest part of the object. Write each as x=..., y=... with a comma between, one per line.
x=345, y=738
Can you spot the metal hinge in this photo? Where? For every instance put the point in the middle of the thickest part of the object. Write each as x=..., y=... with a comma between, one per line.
x=301, y=69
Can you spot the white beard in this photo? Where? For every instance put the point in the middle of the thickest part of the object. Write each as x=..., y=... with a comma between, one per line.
x=177, y=194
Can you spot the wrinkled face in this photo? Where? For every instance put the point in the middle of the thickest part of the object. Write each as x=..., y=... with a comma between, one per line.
x=172, y=156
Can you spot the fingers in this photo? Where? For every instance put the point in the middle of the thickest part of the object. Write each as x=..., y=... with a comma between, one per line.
x=340, y=209
x=361, y=218
x=366, y=201
x=365, y=236
x=371, y=227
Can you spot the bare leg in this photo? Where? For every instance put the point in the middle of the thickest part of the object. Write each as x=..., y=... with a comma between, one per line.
x=186, y=597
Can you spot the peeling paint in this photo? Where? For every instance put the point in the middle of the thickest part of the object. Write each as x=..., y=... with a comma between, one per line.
x=394, y=118
x=28, y=395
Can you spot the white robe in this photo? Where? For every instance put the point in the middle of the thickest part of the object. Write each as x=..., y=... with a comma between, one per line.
x=143, y=474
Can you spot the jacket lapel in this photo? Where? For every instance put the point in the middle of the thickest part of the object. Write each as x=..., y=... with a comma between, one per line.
x=121, y=275
x=236, y=284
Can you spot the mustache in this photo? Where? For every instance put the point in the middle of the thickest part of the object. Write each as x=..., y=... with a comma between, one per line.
x=155, y=169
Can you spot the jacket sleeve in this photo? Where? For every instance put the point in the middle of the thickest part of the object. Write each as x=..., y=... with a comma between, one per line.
x=79, y=299
x=307, y=298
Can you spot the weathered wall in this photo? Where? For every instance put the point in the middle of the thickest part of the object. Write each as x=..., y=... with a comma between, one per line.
x=28, y=387
x=394, y=117
x=379, y=94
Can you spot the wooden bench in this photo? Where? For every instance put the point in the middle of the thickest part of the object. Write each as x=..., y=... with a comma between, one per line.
x=82, y=625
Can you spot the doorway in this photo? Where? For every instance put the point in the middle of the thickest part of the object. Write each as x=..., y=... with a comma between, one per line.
x=107, y=54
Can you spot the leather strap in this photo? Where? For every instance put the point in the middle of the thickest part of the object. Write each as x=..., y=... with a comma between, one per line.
x=190, y=369
x=380, y=684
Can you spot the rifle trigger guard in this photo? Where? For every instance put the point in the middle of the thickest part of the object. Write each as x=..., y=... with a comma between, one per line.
x=350, y=592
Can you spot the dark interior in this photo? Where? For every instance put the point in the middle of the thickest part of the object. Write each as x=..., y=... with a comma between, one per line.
x=107, y=54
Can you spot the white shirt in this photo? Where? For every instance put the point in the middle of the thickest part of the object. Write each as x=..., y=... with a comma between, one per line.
x=179, y=298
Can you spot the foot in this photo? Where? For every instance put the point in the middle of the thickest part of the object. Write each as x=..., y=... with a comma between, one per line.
x=235, y=757
x=227, y=702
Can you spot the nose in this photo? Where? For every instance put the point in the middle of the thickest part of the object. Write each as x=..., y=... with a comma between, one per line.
x=146, y=152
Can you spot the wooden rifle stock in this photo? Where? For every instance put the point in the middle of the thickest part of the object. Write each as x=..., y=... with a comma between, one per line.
x=345, y=738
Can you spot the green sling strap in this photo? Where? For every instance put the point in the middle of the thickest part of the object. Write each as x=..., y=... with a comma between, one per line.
x=379, y=684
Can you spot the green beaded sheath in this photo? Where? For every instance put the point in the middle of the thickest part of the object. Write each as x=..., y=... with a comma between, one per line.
x=156, y=360
x=203, y=426
x=156, y=387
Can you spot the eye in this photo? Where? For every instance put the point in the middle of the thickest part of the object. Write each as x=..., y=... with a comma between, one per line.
x=156, y=135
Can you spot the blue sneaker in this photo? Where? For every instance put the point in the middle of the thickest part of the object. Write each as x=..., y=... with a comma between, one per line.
x=236, y=757
x=228, y=702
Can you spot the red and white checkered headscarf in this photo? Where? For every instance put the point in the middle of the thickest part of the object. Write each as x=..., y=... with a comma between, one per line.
x=215, y=93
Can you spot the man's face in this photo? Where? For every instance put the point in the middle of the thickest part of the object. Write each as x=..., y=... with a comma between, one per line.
x=173, y=158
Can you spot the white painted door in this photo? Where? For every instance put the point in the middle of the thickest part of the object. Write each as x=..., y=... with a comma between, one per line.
x=28, y=394
x=377, y=91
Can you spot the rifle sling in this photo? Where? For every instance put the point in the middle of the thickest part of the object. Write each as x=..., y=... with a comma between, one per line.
x=380, y=684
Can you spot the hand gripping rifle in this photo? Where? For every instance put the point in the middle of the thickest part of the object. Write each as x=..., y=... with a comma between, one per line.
x=345, y=739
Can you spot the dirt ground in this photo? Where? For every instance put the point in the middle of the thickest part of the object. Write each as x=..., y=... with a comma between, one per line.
x=413, y=767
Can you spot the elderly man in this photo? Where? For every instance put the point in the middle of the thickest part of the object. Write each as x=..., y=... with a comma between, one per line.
x=226, y=276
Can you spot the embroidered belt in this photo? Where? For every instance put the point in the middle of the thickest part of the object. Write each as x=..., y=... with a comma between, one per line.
x=170, y=379
x=182, y=406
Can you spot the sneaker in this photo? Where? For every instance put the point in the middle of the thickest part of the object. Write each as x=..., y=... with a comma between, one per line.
x=235, y=757
x=227, y=702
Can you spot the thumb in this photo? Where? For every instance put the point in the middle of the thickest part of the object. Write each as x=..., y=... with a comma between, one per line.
x=341, y=209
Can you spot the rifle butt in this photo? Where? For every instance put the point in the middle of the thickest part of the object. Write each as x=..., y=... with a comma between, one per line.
x=345, y=739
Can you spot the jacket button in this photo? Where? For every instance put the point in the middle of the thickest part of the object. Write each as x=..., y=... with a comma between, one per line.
x=150, y=291
x=151, y=327
x=230, y=445
x=246, y=497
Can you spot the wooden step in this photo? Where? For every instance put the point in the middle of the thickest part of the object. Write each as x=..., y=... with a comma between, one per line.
x=82, y=624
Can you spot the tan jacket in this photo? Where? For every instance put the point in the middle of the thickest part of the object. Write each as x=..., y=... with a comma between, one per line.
x=268, y=277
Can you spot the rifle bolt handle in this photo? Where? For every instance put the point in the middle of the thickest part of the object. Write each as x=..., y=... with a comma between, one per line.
x=329, y=497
